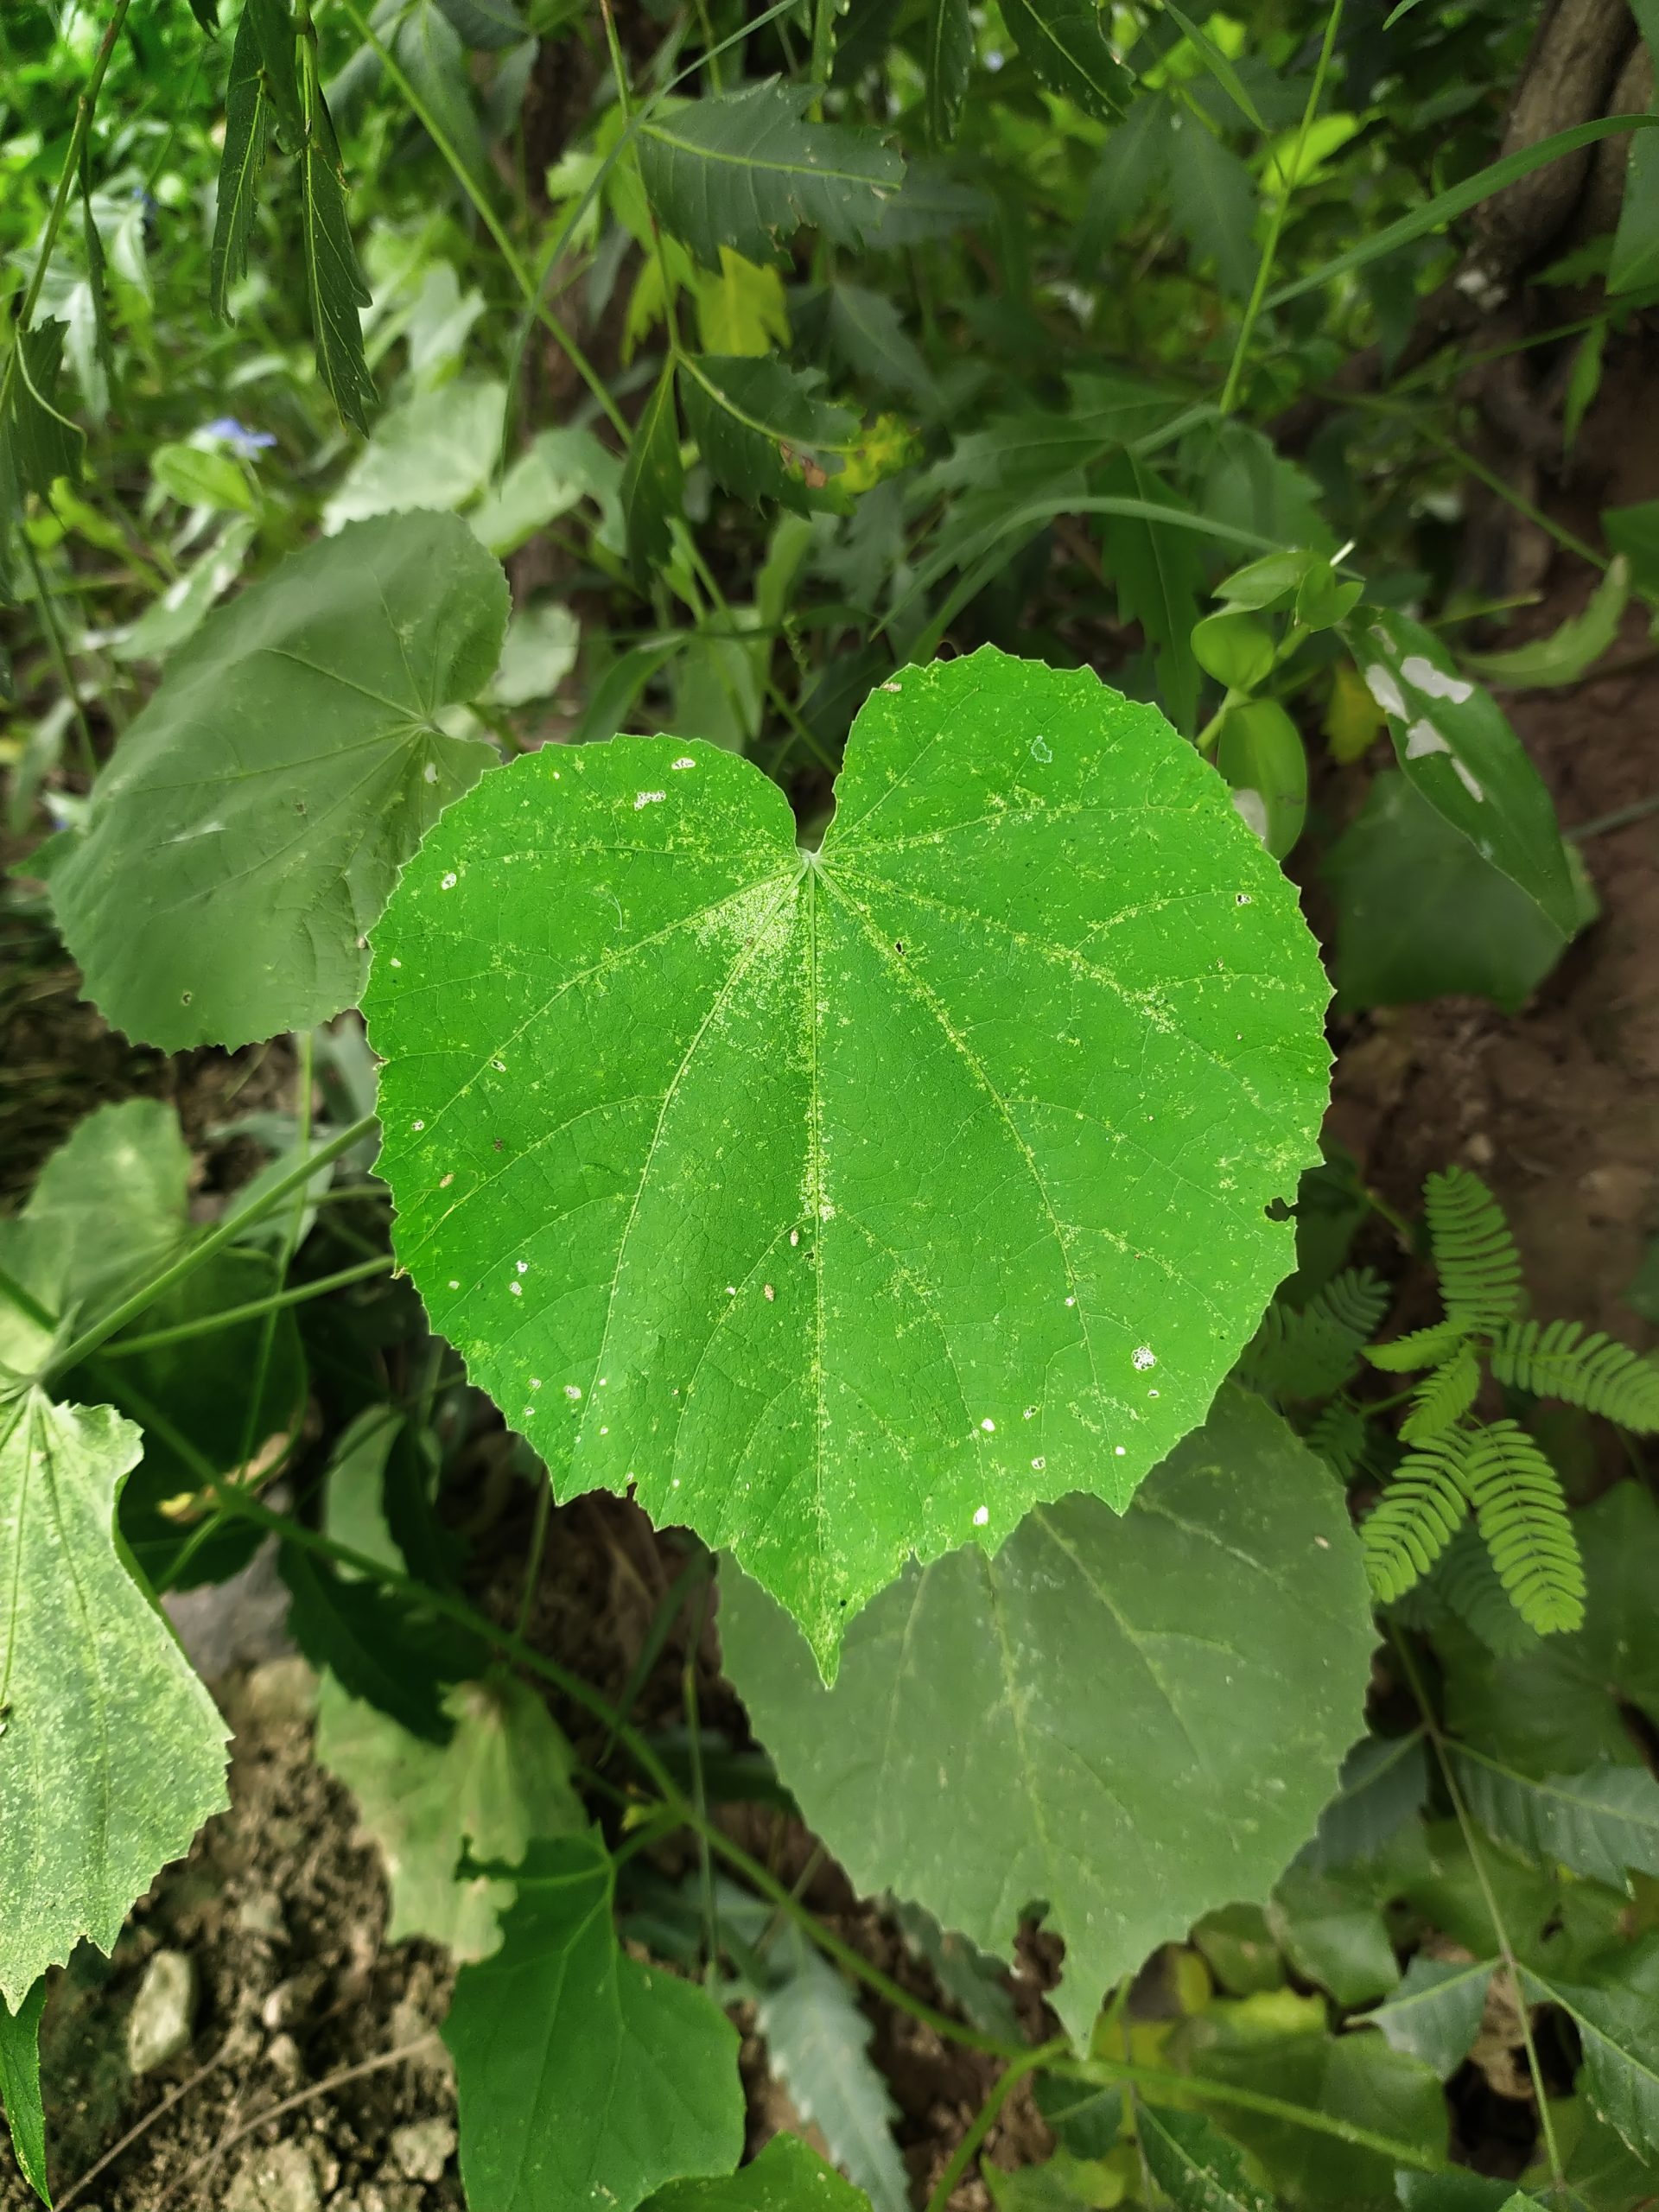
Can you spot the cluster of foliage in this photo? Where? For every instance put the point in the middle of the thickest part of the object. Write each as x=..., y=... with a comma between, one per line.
x=888, y=1200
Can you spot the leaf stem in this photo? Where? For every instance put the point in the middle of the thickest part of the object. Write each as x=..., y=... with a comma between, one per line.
x=1105, y=2071
x=1276, y=220
x=228, y=1317
x=1432, y=1729
x=232, y=1226
x=986, y=2118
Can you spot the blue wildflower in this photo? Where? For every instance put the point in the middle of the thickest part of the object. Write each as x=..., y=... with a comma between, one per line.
x=241, y=439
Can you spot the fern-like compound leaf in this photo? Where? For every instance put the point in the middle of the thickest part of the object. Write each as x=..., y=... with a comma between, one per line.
x=1465, y=1582
x=1442, y=1398
x=1474, y=1254
x=1309, y=1351
x=1422, y=1348
x=1340, y=1438
x=1524, y=1520
x=1416, y=1517
x=1556, y=1359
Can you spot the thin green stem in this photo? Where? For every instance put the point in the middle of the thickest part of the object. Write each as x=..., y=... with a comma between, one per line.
x=537, y=1551
x=306, y=1084
x=1488, y=1897
x=1276, y=220
x=985, y=2118
x=48, y=614
x=85, y=107
x=234, y=1225
x=25, y=1301
x=1188, y=2086
x=486, y=214
x=230, y=1316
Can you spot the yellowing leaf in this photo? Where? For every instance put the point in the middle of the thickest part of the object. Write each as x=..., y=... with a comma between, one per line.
x=743, y=309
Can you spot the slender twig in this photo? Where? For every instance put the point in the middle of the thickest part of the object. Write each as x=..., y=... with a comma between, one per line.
x=142, y=2127
x=55, y=646
x=985, y=2118
x=329, y=2083
x=1276, y=220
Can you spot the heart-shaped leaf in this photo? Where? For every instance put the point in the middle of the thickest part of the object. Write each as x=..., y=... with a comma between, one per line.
x=844, y=1203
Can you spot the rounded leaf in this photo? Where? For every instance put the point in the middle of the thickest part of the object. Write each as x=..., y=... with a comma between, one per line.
x=843, y=1205
x=1131, y=1720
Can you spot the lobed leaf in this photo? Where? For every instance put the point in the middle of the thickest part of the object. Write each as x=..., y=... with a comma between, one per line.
x=843, y=1205
x=112, y=1753
x=257, y=810
x=584, y=2077
x=953, y=1762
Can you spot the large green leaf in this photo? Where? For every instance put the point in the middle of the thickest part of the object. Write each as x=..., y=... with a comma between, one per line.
x=435, y=451
x=257, y=810
x=744, y=170
x=503, y=1778
x=112, y=1754
x=1458, y=752
x=788, y=2176
x=1225, y=1625
x=584, y=2077
x=842, y=1204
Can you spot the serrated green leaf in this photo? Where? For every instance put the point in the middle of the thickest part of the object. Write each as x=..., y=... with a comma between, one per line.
x=1130, y=163
x=1602, y=1822
x=1130, y=1815
x=1435, y=2013
x=247, y=131
x=817, y=2041
x=428, y=50
x=653, y=482
x=20, y=2086
x=1066, y=45
x=113, y=1753
x=868, y=333
x=1458, y=753
x=744, y=170
x=335, y=286
x=583, y=2077
x=947, y=60
x=37, y=444
x=1218, y=66
x=502, y=1779
x=258, y=867
x=1194, y=2164
x=762, y=428
x=1618, y=2021
x=1212, y=198
x=1160, y=572
x=787, y=2176
x=798, y=1359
